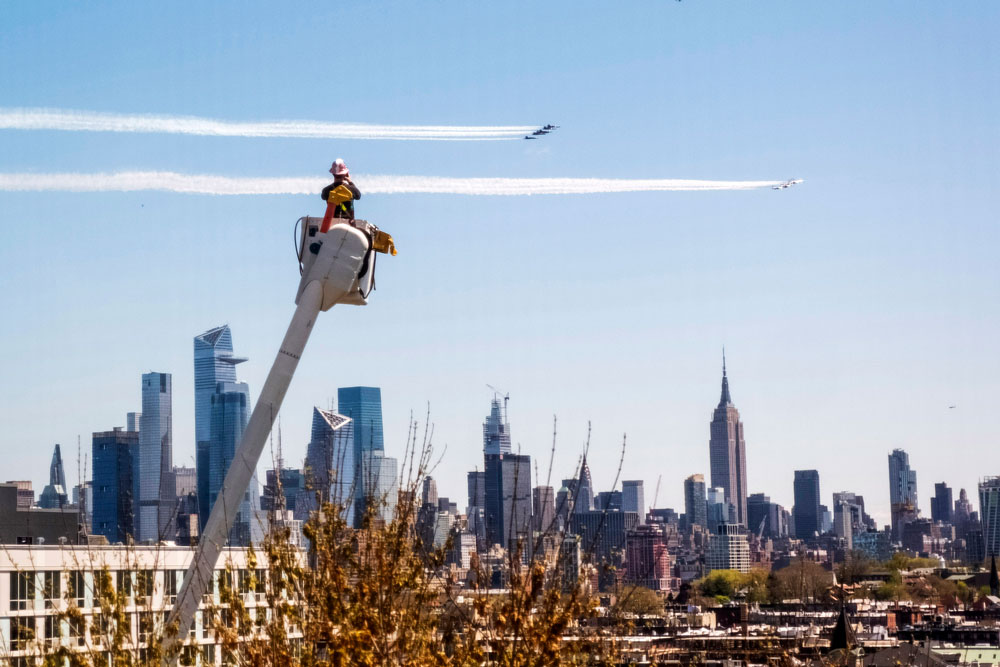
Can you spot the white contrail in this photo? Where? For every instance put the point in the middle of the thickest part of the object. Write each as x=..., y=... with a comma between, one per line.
x=91, y=121
x=165, y=181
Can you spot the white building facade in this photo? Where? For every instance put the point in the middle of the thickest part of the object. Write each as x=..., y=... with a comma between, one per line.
x=38, y=585
x=728, y=549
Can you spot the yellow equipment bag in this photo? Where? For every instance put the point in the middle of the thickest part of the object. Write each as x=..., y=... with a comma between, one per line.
x=339, y=195
x=382, y=242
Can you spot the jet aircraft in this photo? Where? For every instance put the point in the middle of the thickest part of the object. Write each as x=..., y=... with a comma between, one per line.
x=551, y=127
x=530, y=137
x=786, y=184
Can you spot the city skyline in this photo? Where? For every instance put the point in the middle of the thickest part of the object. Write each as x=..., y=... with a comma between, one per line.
x=368, y=401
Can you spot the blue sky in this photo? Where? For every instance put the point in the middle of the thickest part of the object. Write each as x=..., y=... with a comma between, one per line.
x=855, y=308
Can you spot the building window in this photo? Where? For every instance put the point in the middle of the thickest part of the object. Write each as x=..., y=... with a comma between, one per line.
x=188, y=656
x=52, y=631
x=77, y=588
x=22, y=633
x=100, y=629
x=143, y=586
x=207, y=622
x=22, y=590
x=146, y=625
x=51, y=587
x=77, y=627
x=170, y=587
x=261, y=585
x=123, y=583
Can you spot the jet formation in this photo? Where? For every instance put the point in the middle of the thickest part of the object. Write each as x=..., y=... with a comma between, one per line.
x=786, y=184
x=542, y=131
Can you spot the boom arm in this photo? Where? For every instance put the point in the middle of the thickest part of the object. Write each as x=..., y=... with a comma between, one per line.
x=333, y=270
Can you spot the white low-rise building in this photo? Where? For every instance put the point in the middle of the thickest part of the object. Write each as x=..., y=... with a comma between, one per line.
x=38, y=584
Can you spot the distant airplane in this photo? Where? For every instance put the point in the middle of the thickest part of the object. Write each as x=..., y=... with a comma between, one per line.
x=952, y=407
x=527, y=137
x=786, y=184
x=539, y=133
x=551, y=127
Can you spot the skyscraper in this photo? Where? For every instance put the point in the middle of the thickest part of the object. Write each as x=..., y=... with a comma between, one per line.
x=633, y=498
x=230, y=414
x=214, y=364
x=496, y=430
x=989, y=511
x=543, y=500
x=476, y=481
x=942, y=504
x=962, y=515
x=716, y=508
x=429, y=492
x=694, y=501
x=380, y=477
x=54, y=495
x=765, y=517
x=727, y=452
x=476, y=509
x=331, y=468
x=114, y=464
x=583, y=501
x=364, y=406
x=508, y=498
x=156, y=460
x=902, y=490
x=508, y=483
x=132, y=421
x=808, y=519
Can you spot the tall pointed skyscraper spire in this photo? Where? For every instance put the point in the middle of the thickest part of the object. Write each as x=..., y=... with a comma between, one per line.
x=725, y=399
x=727, y=452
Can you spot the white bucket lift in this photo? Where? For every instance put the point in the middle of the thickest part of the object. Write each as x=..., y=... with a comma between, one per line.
x=337, y=266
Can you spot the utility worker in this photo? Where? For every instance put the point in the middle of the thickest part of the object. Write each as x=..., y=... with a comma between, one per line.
x=337, y=207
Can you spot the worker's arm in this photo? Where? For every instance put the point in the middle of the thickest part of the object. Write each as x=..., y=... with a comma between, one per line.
x=353, y=188
x=325, y=195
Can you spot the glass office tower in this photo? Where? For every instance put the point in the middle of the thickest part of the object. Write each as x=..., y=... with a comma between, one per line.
x=230, y=414
x=156, y=461
x=113, y=463
x=214, y=363
x=363, y=405
x=330, y=463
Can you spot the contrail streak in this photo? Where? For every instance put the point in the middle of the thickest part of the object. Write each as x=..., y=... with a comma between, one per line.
x=90, y=121
x=165, y=181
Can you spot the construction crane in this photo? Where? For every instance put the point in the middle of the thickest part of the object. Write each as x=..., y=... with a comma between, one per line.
x=337, y=265
x=506, y=397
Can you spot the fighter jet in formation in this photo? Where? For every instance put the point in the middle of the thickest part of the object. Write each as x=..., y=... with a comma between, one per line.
x=541, y=132
x=786, y=184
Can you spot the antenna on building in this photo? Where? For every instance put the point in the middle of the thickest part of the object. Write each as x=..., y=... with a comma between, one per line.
x=81, y=472
x=281, y=462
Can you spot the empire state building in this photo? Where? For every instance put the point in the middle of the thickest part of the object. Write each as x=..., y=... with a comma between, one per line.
x=727, y=452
